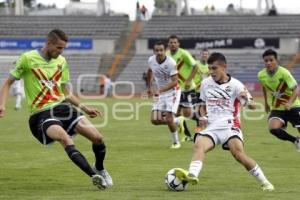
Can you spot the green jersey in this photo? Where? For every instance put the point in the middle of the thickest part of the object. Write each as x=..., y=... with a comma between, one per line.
x=202, y=72
x=42, y=79
x=279, y=87
x=185, y=63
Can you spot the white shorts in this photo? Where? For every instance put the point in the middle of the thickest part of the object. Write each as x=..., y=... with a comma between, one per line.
x=222, y=136
x=167, y=101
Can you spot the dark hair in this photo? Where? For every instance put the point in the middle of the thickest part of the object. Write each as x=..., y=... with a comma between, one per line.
x=215, y=56
x=270, y=52
x=56, y=34
x=173, y=37
x=205, y=49
x=159, y=42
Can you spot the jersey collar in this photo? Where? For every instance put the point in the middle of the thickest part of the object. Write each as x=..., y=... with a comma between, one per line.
x=229, y=78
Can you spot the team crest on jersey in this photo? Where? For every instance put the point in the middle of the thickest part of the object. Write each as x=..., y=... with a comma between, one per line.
x=59, y=66
x=228, y=89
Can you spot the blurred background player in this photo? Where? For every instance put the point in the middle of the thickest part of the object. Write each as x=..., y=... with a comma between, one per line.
x=187, y=68
x=53, y=118
x=18, y=92
x=202, y=73
x=167, y=95
x=280, y=91
x=220, y=92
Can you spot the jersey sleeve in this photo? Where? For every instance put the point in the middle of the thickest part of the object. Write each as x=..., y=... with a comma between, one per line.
x=290, y=80
x=203, y=91
x=20, y=67
x=240, y=87
x=173, y=68
x=65, y=73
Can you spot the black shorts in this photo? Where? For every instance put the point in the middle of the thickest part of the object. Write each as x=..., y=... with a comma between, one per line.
x=292, y=116
x=187, y=98
x=63, y=114
x=197, y=100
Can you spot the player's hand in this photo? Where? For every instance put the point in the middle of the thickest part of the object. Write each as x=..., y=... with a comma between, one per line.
x=287, y=105
x=267, y=108
x=91, y=111
x=251, y=106
x=187, y=84
x=203, y=121
x=2, y=111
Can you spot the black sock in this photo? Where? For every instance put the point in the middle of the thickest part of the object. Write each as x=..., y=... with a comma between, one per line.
x=186, y=129
x=283, y=135
x=79, y=160
x=100, y=151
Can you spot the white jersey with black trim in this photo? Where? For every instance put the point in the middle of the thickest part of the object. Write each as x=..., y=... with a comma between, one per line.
x=221, y=100
x=162, y=72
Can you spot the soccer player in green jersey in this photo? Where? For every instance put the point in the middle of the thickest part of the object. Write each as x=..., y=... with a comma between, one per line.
x=187, y=68
x=53, y=118
x=280, y=94
x=202, y=73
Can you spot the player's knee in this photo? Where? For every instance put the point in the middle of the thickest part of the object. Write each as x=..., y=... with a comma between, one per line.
x=98, y=139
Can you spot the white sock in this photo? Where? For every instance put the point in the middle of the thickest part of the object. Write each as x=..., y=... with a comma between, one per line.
x=18, y=101
x=176, y=121
x=175, y=138
x=195, y=167
x=258, y=174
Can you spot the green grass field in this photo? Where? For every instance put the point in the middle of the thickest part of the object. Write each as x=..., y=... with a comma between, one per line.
x=138, y=156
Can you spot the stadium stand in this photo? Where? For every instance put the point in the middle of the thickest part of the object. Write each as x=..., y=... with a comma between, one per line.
x=104, y=27
x=220, y=26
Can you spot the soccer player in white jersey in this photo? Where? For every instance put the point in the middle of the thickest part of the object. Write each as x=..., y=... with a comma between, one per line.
x=167, y=95
x=220, y=92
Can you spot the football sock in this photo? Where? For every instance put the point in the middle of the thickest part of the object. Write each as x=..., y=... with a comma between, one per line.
x=195, y=167
x=283, y=135
x=175, y=138
x=18, y=100
x=79, y=160
x=258, y=174
x=100, y=151
x=186, y=130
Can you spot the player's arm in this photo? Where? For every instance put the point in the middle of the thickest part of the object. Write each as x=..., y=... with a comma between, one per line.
x=191, y=77
x=292, y=98
x=149, y=81
x=91, y=111
x=4, y=93
x=172, y=84
x=203, y=114
x=267, y=107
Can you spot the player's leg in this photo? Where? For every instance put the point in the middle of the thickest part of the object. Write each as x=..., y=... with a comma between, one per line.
x=237, y=150
x=203, y=144
x=173, y=129
x=157, y=118
x=294, y=119
x=88, y=130
x=57, y=133
x=18, y=101
x=277, y=123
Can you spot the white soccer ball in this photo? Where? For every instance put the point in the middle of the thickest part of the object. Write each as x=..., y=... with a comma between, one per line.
x=173, y=183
